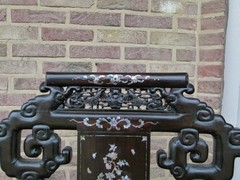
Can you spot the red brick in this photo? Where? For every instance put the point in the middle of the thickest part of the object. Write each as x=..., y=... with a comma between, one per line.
x=38, y=50
x=73, y=174
x=74, y=161
x=58, y=34
x=148, y=21
x=27, y=83
x=213, y=23
x=211, y=54
x=111, y=52
x=212, y=87
x=18, y=2
x=59, y=174
x=214, y=102
x=67, y=67
x=3, y=50
x=210, y=71
x=157, y=142
x=172, y=38
x=100, y=19
x=14, y=99
x=189, y=8
x=187, y=23
x=214, y=6
x=32, y=16
x=165, y=68
x=174, y=7
x=186, y=55
x=3, y=14
x=3, y=115
x=74, y=144
x=4, y=83
x=10, y=32
x=18, y=67
x=156, y=172
x=26, y=132
x=122, y=36
x=109, y=67
x=63, y=3
x=211, y=39
x=143, y=53
x=137, y=5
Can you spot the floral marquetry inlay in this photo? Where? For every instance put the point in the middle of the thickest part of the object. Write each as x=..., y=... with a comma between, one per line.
x=114, y=123
x=113, y=157
x=113, y=166
x=113, y=79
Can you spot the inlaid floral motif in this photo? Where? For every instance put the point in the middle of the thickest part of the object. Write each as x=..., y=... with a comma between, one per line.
x=113, y=166
x=113, y=122
x=115, y=79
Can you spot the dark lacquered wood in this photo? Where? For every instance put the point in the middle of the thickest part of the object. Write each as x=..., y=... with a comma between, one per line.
x=121, y=80
x=119, y=156
x=114, y=112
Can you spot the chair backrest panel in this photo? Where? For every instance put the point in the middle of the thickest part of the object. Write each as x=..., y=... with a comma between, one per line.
x=114, y=115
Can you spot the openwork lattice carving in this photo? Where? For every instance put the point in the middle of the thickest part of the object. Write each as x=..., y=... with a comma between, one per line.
x=121, y=104
x=116, y=98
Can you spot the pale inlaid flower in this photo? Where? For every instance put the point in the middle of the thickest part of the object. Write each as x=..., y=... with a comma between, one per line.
x=125, y=177
x=112, y=155
x=89, y=171
x=113, y=147
x=113, y=166
x=94, y=155
x=110, y=176
x=133, y=152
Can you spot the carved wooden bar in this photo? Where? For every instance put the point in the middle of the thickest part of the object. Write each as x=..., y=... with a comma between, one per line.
x=114, y=115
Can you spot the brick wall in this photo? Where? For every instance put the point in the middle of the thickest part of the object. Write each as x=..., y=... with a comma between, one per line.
x=37, y=36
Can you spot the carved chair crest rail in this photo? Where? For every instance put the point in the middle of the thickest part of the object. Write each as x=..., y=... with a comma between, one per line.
x=114, y=115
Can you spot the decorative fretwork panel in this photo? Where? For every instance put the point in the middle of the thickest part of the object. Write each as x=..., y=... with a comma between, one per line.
x=120, y=111
x=116, y=98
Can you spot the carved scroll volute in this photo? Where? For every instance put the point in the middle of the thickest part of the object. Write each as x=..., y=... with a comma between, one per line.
x=226, y=148
x=33, y=115
x=182, y=104
x=42, y=142
x=188, y=141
